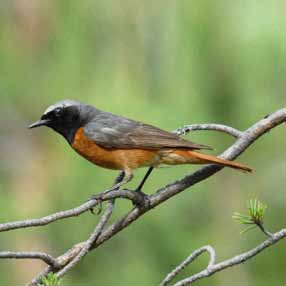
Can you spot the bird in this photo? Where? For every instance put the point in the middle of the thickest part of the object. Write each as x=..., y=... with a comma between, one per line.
x=119, y=143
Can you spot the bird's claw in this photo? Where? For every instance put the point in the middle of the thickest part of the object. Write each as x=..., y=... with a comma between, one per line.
x=143, y=199
x=98, y=198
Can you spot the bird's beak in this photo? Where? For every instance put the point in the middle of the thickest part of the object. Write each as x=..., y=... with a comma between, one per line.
x=38, y=123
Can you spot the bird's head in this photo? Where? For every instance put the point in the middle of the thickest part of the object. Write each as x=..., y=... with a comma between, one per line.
x=65, y=117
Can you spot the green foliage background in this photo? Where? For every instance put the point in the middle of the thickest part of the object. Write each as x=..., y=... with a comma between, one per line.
x=167, y=63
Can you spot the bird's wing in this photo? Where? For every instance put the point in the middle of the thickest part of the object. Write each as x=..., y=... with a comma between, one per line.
x=112, y=131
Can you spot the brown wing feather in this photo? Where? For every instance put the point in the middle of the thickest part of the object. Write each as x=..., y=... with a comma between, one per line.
x=112, y=131
x=151, y=136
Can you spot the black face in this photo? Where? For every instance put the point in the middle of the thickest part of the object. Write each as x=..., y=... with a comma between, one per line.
x=63, y=119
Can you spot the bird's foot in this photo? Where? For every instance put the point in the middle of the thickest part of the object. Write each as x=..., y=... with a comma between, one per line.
x=97, y=197
x=140, y=200
x=143, y=199
x=99, y=210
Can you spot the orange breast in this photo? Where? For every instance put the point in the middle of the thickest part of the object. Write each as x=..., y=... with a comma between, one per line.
x=118, y=159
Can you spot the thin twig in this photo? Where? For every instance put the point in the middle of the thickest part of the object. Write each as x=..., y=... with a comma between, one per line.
x=90, y=241
x=48, y=259
x=213, y=127
x=264, y=230
x=106, y=196
x=39, y=277
x=189, y=260
x=50, y=218
x=236, y=260
x=61, y=260
x=98, y=229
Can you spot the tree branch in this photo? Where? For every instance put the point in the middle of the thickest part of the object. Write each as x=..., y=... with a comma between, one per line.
x=213, y=268
x=87, y=245
x=105, y=196
x=48, y=259
x=209, y=126
x=74, y=254
x=189, y=260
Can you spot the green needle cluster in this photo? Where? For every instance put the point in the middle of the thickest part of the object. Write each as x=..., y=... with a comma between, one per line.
x=50, y=280
x=255, y=216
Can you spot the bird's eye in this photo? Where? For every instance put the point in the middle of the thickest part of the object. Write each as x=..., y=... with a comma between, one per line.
x=58, y=112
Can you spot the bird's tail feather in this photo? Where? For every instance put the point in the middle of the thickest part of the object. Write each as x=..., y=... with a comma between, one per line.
x=207, y=159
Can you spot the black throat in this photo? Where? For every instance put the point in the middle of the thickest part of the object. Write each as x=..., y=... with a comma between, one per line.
x=68, y=132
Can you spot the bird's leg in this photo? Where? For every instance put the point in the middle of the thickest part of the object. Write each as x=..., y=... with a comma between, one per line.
x=123, y=178
x=128, y=176
x=139, y=188
x=119, y=178
x=117, y=181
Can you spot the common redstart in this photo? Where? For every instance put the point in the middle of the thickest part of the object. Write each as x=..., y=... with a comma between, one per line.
x=115, y=142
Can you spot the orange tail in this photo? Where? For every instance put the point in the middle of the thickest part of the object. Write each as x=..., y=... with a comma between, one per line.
x=206, y=159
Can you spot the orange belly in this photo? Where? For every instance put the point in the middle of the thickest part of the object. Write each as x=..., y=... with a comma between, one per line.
x=117, y=159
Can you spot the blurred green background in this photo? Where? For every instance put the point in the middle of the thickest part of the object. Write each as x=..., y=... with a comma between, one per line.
x=168, y=63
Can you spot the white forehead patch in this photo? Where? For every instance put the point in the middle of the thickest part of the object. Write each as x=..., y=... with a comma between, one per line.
x=62, y=104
